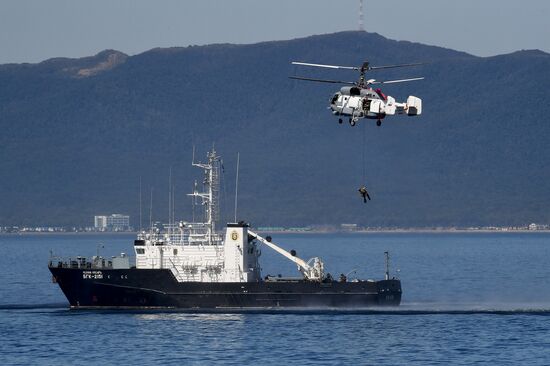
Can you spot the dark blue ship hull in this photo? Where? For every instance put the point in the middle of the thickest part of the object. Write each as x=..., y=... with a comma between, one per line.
x=158, y=288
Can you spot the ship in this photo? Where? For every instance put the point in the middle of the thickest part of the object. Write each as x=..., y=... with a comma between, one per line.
x=193, y=265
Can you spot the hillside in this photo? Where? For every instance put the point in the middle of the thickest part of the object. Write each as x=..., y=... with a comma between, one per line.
x=78, y=134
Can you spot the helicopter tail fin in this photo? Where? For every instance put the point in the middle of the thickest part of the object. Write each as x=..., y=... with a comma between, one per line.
x=414, y=106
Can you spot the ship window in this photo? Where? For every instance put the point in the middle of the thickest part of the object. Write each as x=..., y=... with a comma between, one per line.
x=175, y=252
x=140, y=251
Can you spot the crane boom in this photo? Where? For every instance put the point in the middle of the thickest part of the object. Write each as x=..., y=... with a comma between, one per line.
x=314, y=272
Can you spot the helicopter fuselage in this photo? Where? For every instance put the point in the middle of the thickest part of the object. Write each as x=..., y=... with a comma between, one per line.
x=362, y=101
x=369, y=103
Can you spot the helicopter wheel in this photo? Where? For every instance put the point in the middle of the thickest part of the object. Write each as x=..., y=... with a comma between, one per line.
x=379, y=123
x=340, y=120
x=352, y=122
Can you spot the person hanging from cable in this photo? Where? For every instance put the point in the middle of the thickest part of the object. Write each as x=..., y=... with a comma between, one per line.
x=364, y=193
x=363, y=190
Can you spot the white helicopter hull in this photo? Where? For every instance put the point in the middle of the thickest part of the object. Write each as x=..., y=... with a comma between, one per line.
x=364, y=107
x=362, y=101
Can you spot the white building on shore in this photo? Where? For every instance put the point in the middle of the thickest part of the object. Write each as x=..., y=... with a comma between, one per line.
x=114, y=222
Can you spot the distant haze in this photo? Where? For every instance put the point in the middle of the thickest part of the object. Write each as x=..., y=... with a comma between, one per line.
x=35, y=30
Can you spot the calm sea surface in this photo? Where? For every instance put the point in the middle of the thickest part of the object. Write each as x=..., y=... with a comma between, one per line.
x=467, y=298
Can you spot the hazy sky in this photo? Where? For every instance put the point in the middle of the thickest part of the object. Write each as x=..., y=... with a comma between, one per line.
x=34, y=30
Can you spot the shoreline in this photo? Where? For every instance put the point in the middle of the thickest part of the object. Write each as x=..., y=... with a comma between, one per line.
x=310, y=232
x=38, y=233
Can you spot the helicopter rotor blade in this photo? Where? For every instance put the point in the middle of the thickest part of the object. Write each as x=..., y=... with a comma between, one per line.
x=322, y=80
x=326, y=66
x=394, y=66
x=372, y=81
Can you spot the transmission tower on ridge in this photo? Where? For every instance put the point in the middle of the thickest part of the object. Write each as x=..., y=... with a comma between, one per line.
x=361, y=17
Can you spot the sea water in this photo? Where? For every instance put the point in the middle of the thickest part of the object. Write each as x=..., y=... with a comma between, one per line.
x=467, y=298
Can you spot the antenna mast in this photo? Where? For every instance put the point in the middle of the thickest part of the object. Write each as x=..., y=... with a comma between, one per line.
x=170, y=200
x=361, y=17
x=387, y=255
x=237, y=185
x=210, y=195
x=140, y=222
x=151, y=210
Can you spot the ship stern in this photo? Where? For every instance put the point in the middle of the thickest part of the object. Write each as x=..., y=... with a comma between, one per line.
x=389, y=292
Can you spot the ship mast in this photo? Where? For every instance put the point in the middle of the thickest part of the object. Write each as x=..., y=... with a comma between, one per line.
x=210, y=195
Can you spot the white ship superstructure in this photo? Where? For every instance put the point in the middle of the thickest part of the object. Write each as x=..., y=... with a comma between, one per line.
x=195, y=251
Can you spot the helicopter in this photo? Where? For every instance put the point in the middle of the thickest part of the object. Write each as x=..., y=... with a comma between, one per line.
x=359, y=100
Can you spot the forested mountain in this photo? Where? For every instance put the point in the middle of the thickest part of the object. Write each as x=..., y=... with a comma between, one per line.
x=79, y=134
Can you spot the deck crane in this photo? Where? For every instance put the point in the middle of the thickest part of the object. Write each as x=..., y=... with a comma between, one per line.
x=311, y=270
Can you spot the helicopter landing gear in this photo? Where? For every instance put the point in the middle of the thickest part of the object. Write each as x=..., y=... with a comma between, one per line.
x=379, y=123
x=352, y=121
x=340, y=120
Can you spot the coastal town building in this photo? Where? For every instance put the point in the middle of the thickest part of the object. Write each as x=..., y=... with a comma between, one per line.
x=114, y=222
